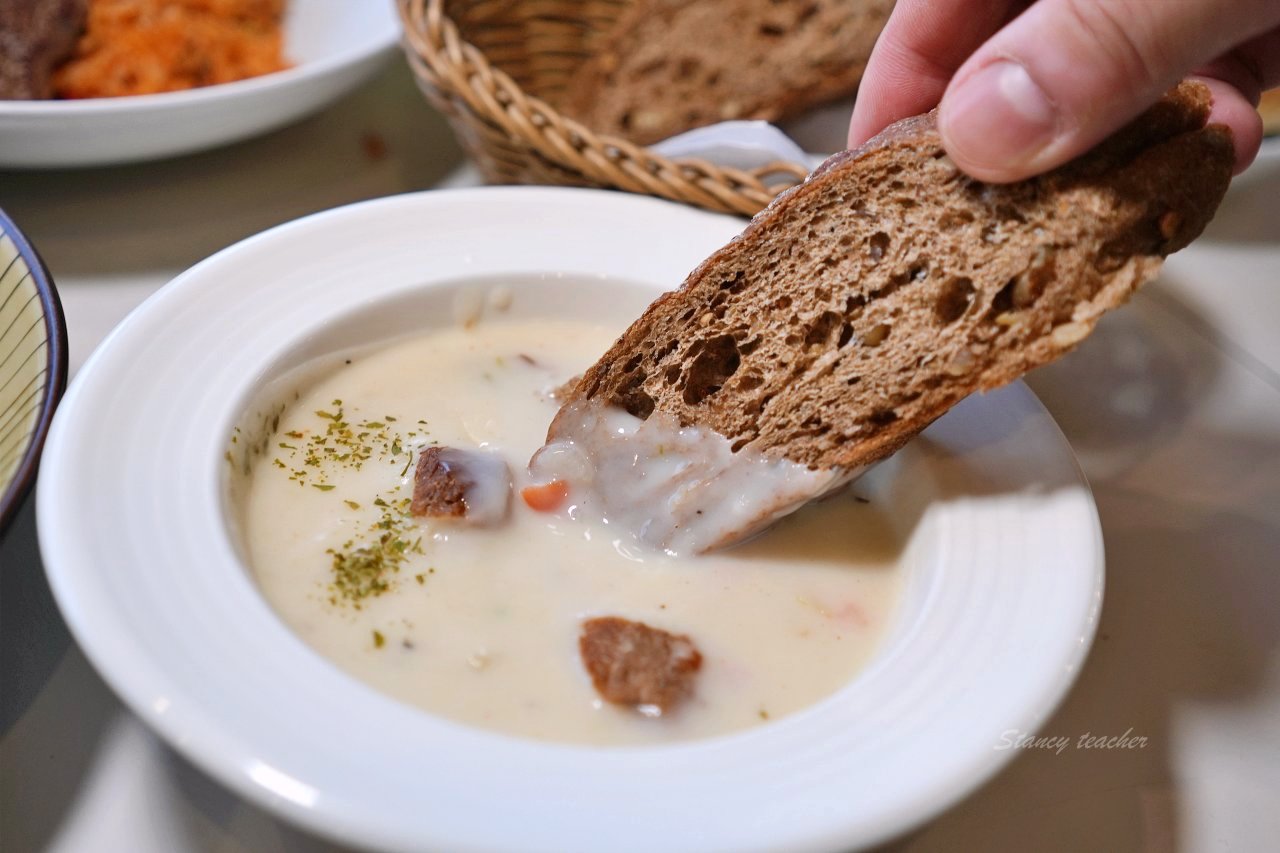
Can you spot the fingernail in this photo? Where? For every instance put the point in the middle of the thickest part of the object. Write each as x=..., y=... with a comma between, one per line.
x=998, y=118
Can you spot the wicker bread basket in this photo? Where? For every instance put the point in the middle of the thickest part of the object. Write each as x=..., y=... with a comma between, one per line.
x=494, y=67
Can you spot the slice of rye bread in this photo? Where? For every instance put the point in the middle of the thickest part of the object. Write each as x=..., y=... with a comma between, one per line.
x=863, y=304
x=672, y=65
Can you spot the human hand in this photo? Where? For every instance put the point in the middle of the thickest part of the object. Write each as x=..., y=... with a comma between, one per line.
x=1025, y=87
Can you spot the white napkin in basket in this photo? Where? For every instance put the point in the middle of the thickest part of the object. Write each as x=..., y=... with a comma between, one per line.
x=753, y=144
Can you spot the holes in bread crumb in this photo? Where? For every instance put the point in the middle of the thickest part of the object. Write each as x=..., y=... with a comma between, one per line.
x=750, y=382
x=772, y=31
x=882, y=417
x=749, y=346
x=806, y=13
x=638, y=403
x=624, y=121
x=688, y=66
x=820, y=332
x=916, y=272
x=782, y=303
x=665, y=350
x=854, y=304
x=953, y=219
x=738, y=445
x=1035, y=278
x=672, y=374
x=713, y=365
x=633, y=398
x=877, y=246
x=735, y=284
x=1003, y=300
x=853, y=380
x=632, y=363
x=754, y=407
x=954, y=300
x=846, y=335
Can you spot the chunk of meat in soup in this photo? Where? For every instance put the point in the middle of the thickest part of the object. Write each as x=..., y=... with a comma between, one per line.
x=469, y=485
x=631, y=663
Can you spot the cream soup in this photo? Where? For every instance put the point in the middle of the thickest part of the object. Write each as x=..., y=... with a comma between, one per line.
x=480, y=623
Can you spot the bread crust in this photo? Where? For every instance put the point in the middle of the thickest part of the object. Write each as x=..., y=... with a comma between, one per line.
x=861, y=305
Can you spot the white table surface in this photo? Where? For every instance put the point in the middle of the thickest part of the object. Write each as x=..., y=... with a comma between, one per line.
x=1173, y=407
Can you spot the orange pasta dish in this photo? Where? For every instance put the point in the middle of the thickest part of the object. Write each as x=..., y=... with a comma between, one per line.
x=140, y=47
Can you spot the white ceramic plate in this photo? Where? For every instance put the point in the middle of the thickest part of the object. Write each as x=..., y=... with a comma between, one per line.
x=1003, y=574
x=334, y=45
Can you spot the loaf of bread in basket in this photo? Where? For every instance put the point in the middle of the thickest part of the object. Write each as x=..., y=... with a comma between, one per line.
x=670, y=65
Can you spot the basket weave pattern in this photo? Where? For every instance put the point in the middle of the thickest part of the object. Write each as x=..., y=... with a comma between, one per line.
x=496, y=67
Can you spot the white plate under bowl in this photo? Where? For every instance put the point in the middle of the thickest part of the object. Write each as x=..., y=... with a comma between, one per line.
x=1003, y=577
x=333, y=44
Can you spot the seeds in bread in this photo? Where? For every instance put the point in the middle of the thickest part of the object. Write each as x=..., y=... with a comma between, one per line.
x=672, y=65
x=864, y=303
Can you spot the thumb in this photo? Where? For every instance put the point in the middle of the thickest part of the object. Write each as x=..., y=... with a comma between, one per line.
x=1066, y=73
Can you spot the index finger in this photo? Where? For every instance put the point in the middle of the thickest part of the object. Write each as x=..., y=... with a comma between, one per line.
x=922, y=46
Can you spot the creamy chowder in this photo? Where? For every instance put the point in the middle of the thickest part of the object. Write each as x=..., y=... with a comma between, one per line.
x=480, y=623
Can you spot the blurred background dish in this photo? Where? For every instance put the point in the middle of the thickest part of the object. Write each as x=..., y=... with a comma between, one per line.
x=1269, y=109
x=333, y=46
x=33, y=364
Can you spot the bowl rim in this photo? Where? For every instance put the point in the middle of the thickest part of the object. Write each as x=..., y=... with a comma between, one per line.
x=55, y=329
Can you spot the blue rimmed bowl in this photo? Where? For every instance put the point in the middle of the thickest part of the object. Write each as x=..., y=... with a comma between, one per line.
x=33, y=363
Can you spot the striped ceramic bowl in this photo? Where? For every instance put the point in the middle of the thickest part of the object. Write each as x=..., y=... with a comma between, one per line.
x=33, y=363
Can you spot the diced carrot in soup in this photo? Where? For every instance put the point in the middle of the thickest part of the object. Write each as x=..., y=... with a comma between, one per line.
x=547, y=497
